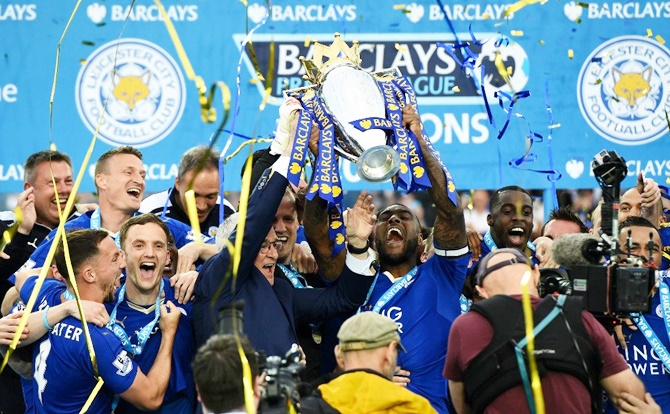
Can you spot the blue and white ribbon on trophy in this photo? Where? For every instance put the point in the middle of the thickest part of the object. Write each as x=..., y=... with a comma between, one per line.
x=412, y=174
x=410, y=96
x=326, y=182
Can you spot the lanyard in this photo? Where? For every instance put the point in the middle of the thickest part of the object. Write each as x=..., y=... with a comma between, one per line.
x=648, y=333
x=398, y=286
x=488, y=240
x=67, y=295
x=96, y=225
x=143, y=333
x=465, y=303
x=293, y=276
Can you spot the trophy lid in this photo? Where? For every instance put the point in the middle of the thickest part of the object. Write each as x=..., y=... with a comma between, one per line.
x=337, y=54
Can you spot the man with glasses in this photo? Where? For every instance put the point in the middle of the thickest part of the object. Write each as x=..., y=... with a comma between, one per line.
x=272, y=306
x=575, y=355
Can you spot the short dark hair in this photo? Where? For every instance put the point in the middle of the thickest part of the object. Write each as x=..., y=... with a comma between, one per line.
x=200, y=157
x=83, y=245
x=637, y=221
x=101, y=164
x=140, y=220
x=34, y=160
x=495, y=198
x=217, y=370
x=566, y=214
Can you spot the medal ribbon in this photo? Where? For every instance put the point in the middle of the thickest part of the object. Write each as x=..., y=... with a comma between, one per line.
x=652, y=338
x=648, y=333
x=293, y=276
x=95, y=225
x=664, y=295
x=67, y=295
x=488, y=240
x=143, y=333
x=398, y=286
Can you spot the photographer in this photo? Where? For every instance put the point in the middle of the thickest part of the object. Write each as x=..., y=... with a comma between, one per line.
x=218, y=373
x=573, y=351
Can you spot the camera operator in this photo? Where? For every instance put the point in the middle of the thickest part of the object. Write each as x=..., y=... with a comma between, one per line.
x=367, y=352
x=218, y=373
x=574, y=352
x=650, y=362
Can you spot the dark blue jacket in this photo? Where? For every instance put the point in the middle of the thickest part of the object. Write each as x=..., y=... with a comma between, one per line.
x=270, y=311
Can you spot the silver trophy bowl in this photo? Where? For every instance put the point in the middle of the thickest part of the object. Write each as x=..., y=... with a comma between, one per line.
x=351, y=94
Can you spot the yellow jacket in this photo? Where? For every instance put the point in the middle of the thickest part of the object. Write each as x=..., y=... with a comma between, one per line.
x=369, y=392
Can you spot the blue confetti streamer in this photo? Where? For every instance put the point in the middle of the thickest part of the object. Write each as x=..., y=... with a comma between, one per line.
x=552, y=175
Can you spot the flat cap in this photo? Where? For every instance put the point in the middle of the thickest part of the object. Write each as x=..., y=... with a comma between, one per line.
x=368, y=330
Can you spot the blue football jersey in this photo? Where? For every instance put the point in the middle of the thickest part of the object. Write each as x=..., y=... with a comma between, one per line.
x=643, y=360
x=49, y=295
x=424, y=310
x=63, y=373
x=180, y=396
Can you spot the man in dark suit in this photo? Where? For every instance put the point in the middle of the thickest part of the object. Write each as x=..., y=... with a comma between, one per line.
x=272, y=306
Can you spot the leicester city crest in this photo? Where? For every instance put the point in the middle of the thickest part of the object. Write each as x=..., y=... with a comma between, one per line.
x=133, y=89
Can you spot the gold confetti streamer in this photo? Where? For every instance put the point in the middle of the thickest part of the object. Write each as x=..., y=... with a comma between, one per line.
x=520, y=5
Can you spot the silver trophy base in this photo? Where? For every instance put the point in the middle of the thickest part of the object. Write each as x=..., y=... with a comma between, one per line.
x=378, y=164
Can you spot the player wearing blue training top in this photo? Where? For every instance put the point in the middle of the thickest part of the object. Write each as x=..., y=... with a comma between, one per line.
x=62, y=369
x=119, y=180
x=423, y=300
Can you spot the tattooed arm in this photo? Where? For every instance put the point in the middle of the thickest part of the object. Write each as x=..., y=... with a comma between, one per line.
x=315, y=221
x=449, y=230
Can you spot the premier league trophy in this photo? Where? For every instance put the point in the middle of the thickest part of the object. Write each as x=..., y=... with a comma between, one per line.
x=359, y=117
x=347, y=94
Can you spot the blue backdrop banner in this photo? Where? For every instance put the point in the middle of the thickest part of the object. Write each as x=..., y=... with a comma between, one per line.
x=509, y=93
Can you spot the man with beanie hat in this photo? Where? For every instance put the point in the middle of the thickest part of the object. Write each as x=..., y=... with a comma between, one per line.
x=367, y=352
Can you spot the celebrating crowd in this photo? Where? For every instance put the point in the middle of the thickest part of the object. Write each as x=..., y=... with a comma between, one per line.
x=404, y=319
